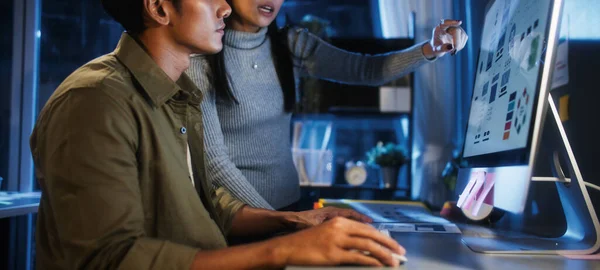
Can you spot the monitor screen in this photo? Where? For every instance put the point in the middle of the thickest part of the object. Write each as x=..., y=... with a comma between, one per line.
x=507, y=76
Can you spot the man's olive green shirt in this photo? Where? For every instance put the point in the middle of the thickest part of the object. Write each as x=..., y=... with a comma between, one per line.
x=110, y=155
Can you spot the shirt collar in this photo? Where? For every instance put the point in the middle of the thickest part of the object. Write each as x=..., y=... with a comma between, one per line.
x=155, y=82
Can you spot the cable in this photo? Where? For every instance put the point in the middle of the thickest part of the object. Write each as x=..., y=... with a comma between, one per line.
x=590, y=185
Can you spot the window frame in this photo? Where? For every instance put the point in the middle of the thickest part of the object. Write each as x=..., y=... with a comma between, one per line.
x=15, y=103
x=27, y=17
x=24, y=79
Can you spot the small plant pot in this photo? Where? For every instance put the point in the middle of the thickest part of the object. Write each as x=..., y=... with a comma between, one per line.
x=389, y=177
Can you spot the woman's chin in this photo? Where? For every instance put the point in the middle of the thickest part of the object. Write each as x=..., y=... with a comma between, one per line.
x=254, y=24
x=264, y=22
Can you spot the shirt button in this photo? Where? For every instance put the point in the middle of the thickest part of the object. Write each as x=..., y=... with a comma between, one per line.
x=255, y=66
x=183, y=130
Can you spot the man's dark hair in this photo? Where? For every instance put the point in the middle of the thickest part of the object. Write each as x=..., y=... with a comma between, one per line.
x=130, y=13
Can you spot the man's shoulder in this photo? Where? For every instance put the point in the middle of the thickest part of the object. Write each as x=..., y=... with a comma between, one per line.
x=103, y=76
x=100, y=73
x=103, y=83
x=98, y=94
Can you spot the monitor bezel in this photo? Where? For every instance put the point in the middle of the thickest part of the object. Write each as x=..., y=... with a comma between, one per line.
x=519, y=156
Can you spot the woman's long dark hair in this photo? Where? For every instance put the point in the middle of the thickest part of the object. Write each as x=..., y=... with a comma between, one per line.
x=281, y=59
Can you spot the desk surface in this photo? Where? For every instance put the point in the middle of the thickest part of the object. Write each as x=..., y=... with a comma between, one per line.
x=16, y=204
x=426, y=250
x=446, y=251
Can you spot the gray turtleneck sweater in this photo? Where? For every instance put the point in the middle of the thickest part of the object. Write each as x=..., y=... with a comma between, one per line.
x=248, y=148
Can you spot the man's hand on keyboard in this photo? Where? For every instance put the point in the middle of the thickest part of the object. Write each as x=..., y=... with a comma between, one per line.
x=336, y=242
x=306, y=219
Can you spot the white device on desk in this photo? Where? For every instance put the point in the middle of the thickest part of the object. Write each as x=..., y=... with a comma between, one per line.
x=506, y=121
x=400, y=258
x=356, y=173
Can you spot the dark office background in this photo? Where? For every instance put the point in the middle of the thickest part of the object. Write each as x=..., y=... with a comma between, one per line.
x=73, y=32
x=348, y=18
x=6, y=46
x=6, y=26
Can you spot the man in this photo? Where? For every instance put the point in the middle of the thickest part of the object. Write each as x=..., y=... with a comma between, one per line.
x=119, y=156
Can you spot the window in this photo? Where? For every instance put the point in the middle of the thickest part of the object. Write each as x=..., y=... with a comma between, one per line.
x=73, y=32
x=344, y=18
x=578, y=15
x=6, y=27
x=6, y=49
x=51, y=38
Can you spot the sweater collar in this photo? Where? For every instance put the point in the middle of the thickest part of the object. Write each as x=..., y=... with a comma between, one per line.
x=244, y=40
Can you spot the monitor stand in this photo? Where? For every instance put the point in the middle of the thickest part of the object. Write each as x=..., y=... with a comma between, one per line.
x=582, y=231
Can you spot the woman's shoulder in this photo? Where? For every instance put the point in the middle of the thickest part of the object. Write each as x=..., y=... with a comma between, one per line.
x=200, y=72
x=198, y=61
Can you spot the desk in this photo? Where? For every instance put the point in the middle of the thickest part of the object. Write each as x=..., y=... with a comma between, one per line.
x=446, y=251
x=16, y=204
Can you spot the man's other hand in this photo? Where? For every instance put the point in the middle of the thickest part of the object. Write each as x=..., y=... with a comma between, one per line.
x=307, y=219
x=337, y=241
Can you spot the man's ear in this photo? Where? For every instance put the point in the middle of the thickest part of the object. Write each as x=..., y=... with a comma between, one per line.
x=158, y=11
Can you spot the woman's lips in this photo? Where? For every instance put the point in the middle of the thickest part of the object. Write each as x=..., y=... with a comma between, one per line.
x=266, y=10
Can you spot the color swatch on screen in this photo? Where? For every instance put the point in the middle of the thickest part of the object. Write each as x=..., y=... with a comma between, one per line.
x=521, y=110
x=485, y=89
x=500, y=49
x=490, y=56
x=533, y=46
x=509, y=115
x=503, y=84
x=493, y=93
x=511, y=37
x=534, y=52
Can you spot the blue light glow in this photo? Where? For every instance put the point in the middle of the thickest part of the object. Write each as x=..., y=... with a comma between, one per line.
x=580, y=20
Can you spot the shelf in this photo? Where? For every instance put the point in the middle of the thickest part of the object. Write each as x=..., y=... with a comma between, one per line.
x=16, y=204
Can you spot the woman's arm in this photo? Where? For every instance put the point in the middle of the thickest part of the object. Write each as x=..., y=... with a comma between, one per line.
x=317, y=58
x=221, y=171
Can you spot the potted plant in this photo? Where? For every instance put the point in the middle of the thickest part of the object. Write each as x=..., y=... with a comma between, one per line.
x=389, y=158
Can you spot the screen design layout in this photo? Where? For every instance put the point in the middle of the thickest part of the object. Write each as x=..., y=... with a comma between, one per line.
x=507, y=76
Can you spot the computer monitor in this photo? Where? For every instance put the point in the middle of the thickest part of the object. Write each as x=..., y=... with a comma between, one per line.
x=508, y=106
x=505, y=128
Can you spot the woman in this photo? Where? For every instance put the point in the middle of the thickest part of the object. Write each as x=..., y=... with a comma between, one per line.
x=250, y=91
